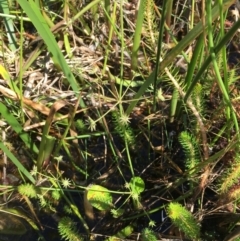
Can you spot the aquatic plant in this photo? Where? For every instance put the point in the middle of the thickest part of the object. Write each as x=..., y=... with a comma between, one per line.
x=191, y=150
x=184, y=220
x=68, y=231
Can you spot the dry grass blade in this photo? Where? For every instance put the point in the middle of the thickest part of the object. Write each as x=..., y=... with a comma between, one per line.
x=36, y=106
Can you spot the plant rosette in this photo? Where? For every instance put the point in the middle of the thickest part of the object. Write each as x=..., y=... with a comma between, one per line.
x=99, y=197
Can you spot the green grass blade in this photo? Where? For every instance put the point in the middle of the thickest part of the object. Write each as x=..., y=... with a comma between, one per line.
x=173, y=106
x=218, y=47
x=219, y=80
x=192, y=35
x=85, y=9
x=44, y=31
x=12, y=121
x=193, y=64
x=8, y=23
x=165, y=13
x=185, y=42
x=137, y=34
x=17, y=163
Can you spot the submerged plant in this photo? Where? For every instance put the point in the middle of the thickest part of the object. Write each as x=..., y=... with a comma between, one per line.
x=68, y=231
x=99, y=197
x=121, y=124
x=229, y=185
x=80, y=125
x=148, y=235
x=198, y=98
x=184, y=220
x=191, y=151
x=137, y=186
x=28, y=190
x=122, y=234
x=106, y=81
x=150, y=25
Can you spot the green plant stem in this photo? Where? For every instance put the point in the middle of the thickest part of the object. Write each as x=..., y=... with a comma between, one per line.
x=110, y=35
x=185, y=42
x=107, y=5
x=173, y=105
x=122, y=51
x=17, y=127
x=41, y=25
x=216, y=68
x=65, y=36
x=129, y=157
x=165, y=9
x=192, y=14
x=137, y=35
x=67, y=128
x=193, y=63
x=224, y=55
x=73, y=161
x=228, y=125
x=46, y=139
x=168, y=15
x=85, y=9
x=16, y=162
x=216, y=49
x=21, y=70
x=72, y=205
x=9, y=25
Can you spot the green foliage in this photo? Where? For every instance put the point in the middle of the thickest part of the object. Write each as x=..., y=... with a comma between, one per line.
x=198, y=98
x=67, y=209
x=184, y=220
x=137, y=185
x=80, y=125
x=44, y=200
x=191, y=150
x=46, y=203
x=148, y=235
x=236, y=239
x=121, y=235
x=137, y=34
x=28, y=190
x=9, y=25
x=119, y=34
x=99, y=197
x=229, y=183
x=125, y=232
x=56, y=194
x=32, y=10
x=15, y=160
x=117, y=212
x=68, y=231
x=150, y=25
x=232, y=77
x=122, y=127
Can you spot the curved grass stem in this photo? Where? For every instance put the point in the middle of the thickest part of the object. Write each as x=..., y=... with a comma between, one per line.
x=219, y=80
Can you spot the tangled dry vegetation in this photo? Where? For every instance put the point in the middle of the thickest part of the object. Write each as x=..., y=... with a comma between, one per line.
x=98, y=143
